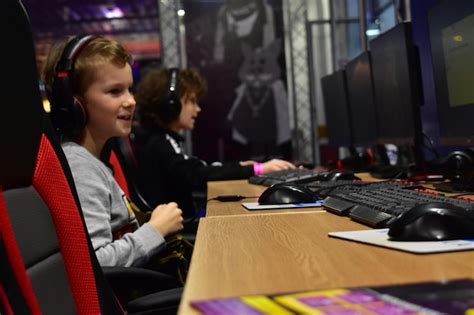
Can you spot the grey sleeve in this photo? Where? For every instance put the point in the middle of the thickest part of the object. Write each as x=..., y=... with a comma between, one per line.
x=133, y=249
x=95, y=190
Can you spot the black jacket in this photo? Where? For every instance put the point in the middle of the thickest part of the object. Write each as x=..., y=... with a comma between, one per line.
x=166, y=174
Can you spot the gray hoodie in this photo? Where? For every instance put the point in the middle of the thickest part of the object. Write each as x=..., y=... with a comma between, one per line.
x=107, y=213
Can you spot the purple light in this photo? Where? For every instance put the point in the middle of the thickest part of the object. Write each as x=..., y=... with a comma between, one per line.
x=111, y=12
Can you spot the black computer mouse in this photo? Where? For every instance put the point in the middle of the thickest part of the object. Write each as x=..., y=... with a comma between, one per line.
x=286, y=193
x=434, y=221
x=341, y=175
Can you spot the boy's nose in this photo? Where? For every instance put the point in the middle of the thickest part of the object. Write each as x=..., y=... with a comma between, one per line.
x=130, y=101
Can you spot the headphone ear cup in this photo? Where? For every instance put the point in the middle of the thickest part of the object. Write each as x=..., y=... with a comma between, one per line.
x=171, y=107
x=457, y=164
x=175, y=106
x=68, y=115
x=170, y=110
x=367, y=158
x=460, y=164
x=360, y=161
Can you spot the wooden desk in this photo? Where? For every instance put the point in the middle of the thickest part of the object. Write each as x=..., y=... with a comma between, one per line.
x=285, y=252
x=240, y=187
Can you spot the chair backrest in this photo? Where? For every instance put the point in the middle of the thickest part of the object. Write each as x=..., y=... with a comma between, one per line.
x=47, y=264
x=119, y=154
x=109, y=156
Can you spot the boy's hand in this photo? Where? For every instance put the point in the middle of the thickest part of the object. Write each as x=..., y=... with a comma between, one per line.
x=167, y=219
x=277, y=165
x=247, y=163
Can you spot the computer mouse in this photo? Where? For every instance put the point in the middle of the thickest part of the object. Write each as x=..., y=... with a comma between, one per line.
x=286, y=193
x=341, y=175
x=435, y=221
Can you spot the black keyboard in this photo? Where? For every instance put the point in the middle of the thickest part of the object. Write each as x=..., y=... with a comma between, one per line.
x=342, y=187
x=298, y=176
x=376, y=204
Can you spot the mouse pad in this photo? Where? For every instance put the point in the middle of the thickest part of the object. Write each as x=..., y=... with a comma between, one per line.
x=255, y=206
x=379, y=237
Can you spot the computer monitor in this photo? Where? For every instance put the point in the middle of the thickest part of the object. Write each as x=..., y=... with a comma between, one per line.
x=451, y=32
x=363, y=118
x=361, y=100
x=397, y=89
x=336, y=108
x=451, y=26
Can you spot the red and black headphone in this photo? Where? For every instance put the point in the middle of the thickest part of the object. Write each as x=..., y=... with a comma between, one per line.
x=359, y=162
x=68, y=115
x=170, y=109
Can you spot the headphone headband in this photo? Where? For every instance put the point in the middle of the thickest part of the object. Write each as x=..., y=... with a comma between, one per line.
x=173, y=79
x=66, y=62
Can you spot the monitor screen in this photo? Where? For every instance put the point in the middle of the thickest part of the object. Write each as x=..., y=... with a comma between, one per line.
x=397, y=86
x=336, y=108
x=451, y=29
x=361, y=100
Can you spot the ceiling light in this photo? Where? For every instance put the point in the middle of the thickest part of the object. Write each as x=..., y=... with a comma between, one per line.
x=111, y=12
x=372, y=32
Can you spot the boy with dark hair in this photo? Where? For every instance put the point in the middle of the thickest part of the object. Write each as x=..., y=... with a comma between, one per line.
x=168, y=103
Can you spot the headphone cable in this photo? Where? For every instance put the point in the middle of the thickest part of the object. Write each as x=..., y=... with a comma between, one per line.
x=228, y=198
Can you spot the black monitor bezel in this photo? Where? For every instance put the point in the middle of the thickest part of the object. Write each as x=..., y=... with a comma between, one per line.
x=454, y=123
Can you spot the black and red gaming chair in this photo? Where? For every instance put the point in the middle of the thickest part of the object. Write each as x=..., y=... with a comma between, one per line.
x=119, y=155
x=47, y=263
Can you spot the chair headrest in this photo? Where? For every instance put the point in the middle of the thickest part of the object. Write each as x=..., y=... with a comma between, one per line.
x=21, y=111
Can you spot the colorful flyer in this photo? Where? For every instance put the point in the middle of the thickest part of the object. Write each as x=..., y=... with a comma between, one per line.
x=455, y=297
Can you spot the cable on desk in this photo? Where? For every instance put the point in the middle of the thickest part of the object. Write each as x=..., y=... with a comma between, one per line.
x=227, y=198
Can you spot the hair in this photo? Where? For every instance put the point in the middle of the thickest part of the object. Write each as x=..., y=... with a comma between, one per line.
x=152, y=90
x=100, y=50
